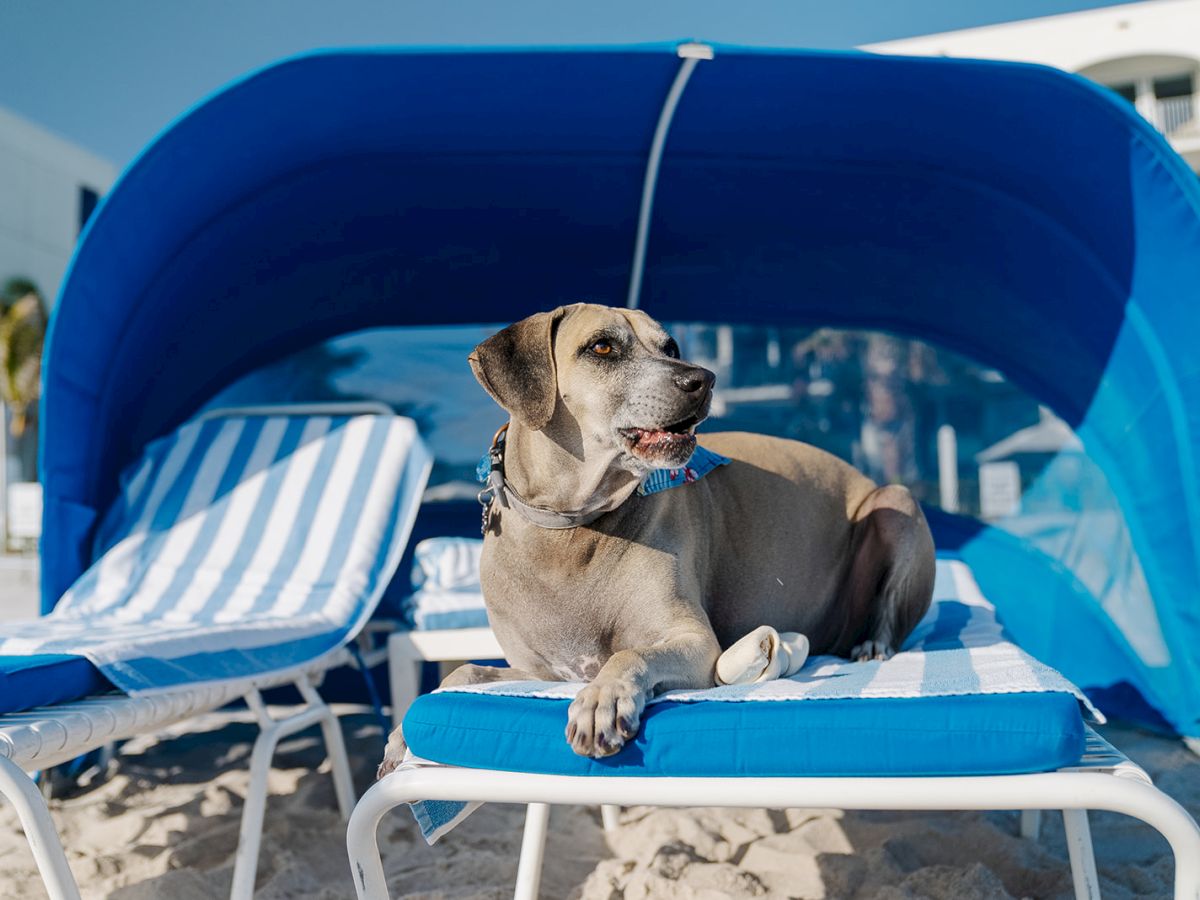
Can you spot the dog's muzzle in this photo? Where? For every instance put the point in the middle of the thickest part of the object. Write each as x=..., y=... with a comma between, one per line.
x=672, y=444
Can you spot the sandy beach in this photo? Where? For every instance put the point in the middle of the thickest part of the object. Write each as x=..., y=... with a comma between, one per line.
x=164, y=824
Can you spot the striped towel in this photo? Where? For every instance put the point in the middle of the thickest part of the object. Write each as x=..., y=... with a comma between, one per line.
x=432, y=609
x=958, y=648
x=239, y=545
x=446, y=578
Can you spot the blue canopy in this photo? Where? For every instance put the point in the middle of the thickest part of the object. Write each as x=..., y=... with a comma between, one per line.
x=1016, y=214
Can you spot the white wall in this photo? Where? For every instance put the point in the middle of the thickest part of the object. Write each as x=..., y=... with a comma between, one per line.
x=40, y=177
x=1113, y=45
x=1071, y=41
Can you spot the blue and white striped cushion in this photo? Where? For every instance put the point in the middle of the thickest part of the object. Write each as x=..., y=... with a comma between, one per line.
x=446, y=578
x=434, y=610
x=239, y=545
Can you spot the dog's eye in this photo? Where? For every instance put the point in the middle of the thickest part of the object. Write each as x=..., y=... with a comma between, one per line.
x=601, y=348
x=671, y=348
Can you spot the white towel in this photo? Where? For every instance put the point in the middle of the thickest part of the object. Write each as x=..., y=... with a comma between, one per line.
x=959, y=647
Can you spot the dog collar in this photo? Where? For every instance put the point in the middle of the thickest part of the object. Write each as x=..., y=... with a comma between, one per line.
x=490, y=472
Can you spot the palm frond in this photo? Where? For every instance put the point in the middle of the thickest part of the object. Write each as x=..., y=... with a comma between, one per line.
x=22, y=333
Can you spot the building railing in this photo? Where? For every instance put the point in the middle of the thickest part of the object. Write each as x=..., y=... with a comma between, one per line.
x=1172, y=113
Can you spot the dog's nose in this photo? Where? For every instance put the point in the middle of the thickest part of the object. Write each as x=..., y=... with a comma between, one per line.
x=694, y=379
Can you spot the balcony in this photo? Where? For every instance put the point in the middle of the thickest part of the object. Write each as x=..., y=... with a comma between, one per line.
x=1171, y=114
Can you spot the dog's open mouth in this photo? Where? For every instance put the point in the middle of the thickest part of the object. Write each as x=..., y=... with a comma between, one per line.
x=667, y=445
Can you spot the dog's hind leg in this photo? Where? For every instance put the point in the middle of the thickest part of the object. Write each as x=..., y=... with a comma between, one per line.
x=890, y=583
x=470, y=673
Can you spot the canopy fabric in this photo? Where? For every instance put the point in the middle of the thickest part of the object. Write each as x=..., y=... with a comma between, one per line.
x=1021, y=216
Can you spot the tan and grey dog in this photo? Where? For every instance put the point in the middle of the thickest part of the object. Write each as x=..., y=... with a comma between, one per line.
x=644, y=597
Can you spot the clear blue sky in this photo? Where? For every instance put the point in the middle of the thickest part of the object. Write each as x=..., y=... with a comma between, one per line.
x=109, y=75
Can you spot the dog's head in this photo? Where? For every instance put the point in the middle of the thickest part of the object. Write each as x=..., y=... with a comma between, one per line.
x=599, y=378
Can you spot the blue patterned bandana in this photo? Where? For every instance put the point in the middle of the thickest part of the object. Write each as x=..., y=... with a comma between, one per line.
x=698, y=465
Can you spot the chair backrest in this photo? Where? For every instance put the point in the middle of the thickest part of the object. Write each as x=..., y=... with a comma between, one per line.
x=265, y=534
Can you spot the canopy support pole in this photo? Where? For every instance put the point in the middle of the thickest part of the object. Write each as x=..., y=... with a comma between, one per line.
x=690, y=53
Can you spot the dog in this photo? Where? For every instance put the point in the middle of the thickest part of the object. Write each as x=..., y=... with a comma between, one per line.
x=637, y=595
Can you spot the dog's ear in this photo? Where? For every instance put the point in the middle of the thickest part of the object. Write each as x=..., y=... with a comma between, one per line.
x=516, y=366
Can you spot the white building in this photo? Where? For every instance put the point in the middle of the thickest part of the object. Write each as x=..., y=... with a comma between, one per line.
x=1147, y=52
x=48, y=188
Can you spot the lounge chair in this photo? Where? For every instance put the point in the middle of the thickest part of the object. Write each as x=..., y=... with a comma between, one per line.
x=245, y=550
x=1016, y=740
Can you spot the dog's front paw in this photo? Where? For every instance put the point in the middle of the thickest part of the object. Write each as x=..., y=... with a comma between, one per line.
x=603, y=716
x=393, y=754
x=869, y=650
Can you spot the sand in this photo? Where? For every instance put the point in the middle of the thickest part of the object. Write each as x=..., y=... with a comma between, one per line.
x=164, y=824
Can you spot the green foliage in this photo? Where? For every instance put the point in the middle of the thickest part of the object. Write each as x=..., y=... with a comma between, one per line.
x=22, y=331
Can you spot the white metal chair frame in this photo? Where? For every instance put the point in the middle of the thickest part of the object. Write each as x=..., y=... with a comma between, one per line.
x=1104, y=780
x=40, y=738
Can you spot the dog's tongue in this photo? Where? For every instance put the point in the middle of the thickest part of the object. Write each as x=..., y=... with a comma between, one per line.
x=652, y=440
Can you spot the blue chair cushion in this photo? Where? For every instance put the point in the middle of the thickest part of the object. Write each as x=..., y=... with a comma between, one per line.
x=27, y=682
x=976, y=734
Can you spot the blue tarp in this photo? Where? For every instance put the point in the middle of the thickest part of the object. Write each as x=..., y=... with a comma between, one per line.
x=1021, y=216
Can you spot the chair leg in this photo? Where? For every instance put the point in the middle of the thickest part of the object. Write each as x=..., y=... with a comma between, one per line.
x=1083, y=860
x=1164, y=814
x=19, y=789
x=533, y=848
x=335, y=746
x=271, y=732
x=245, y=866
x=1031, y=823
x=610, y=816
x=362, y=833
